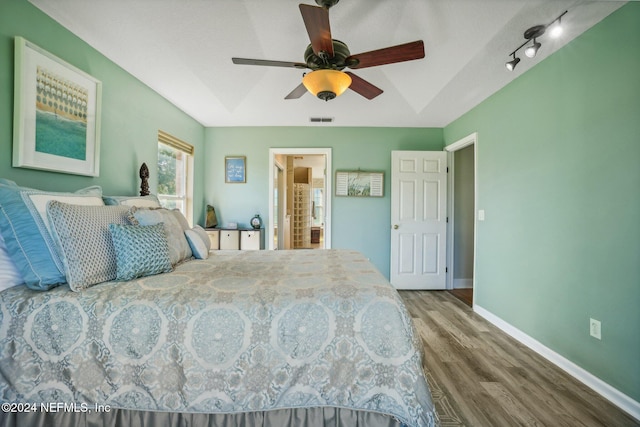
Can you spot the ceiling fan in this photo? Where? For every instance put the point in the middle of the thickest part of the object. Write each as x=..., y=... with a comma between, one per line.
x=327, y=57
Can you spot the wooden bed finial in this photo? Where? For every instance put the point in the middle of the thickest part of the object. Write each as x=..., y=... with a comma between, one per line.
x=144, y=177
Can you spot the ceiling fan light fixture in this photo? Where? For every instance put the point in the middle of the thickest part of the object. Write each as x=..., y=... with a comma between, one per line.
x=326, y=57
x=326, y=84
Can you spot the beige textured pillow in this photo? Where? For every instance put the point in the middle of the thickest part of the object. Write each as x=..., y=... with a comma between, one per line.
x=179, y=249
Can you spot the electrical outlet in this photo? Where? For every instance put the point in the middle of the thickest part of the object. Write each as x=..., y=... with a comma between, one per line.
x=594, y=328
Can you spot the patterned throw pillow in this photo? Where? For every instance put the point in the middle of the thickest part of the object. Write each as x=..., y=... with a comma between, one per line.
x=141, y=250
x=179, y=249
x=83, y=238
x=199, y=241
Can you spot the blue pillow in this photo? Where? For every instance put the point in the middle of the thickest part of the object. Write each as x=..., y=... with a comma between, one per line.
x=33, y=256
x=5, y=181
x=26, y=234
x=141, y=250
x=198, y=241
x=9, y=274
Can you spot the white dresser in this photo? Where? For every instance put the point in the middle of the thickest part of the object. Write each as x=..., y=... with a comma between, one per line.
x=236, y=239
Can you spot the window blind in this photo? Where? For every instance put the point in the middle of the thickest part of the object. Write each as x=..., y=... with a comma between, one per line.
x=175, y=143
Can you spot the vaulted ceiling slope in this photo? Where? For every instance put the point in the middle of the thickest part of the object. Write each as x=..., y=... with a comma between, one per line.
x=183, y=48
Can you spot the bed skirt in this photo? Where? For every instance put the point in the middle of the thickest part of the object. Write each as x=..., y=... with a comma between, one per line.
x=298, y=417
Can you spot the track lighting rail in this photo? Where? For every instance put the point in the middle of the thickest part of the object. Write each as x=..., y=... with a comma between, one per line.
x=532, y=34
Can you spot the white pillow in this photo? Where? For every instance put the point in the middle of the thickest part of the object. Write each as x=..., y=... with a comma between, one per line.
x=90, y=196
x=9, y=275
x=150, y=201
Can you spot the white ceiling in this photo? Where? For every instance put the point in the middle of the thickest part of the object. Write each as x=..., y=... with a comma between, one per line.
x=182, y=49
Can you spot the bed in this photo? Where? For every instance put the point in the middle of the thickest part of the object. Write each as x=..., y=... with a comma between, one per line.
x=241, y=338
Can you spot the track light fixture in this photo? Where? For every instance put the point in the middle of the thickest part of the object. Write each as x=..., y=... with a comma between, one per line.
x=531, y=51
x=512, y=64
x=556, y=30
x=534, y=33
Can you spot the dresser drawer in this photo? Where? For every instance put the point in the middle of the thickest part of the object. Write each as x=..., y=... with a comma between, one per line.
x=214, y=237
x=229, y=239
x=250, y=240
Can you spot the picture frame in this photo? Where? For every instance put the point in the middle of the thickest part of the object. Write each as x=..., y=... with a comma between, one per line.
x=359, y=184
x=57, y=110
x=235, y=169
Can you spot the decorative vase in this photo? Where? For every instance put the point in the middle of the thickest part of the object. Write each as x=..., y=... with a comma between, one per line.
x=256, y=222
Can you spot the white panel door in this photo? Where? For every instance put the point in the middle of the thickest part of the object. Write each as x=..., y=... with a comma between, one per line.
x=418, y=219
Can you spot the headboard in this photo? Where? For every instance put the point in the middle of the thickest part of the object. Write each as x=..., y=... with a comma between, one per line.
x=144, y=180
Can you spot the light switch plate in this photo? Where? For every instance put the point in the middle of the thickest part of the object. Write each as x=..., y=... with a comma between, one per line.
x=481, y=215
x=595, y=328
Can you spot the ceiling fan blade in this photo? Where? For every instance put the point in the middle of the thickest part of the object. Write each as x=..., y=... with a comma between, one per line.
x=268, y=63
x=363, y=87
x=297, y=92
x=389, y=55
x=316, y=19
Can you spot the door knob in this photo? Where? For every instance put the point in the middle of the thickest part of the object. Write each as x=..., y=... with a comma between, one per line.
x=395, y=226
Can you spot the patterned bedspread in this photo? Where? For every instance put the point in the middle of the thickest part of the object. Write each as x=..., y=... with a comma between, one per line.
x=241, y=331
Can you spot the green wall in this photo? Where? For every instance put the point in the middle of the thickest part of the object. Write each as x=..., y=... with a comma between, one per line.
x=358, y=223
x=559, y=179
x=464, y=197
x=132, y=113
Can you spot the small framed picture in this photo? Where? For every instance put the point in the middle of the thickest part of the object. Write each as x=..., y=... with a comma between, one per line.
x=359, y=184
x=235, y=169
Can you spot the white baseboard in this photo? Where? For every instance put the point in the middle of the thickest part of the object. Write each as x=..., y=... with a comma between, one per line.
x=462, y=283
x=610, y=393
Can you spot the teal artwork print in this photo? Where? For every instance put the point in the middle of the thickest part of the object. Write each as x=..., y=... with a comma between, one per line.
x=61, y=116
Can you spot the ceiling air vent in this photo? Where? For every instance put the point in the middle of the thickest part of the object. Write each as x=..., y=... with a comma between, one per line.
x=321, y=119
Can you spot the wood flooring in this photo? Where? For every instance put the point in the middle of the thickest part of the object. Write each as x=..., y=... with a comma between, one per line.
x=464, y=294
x=486, y=378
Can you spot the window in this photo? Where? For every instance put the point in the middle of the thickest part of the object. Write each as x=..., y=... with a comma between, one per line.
x=175, y=174
x=318, y=213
